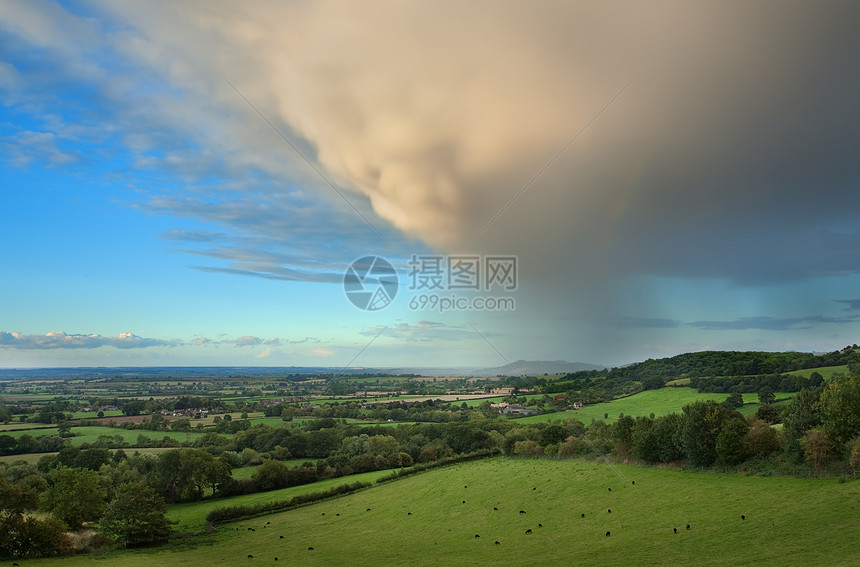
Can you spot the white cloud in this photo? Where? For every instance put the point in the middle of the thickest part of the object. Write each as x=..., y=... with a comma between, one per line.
x=322, y=352
x=63, y=340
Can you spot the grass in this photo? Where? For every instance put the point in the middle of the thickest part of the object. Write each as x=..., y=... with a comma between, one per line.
x=95, y=414
x=18, y=426
x=36, y=430
x=91, y=434
x=659, y=402
x=29, y=458
x=192, y=515
x=827, y=371
x=788, y=521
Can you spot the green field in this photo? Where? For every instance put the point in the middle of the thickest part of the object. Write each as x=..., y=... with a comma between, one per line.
x=192, y=516
x=659, y=402
x=432, y=519
x=91, y=434
x=827, y=371
x=95, y=414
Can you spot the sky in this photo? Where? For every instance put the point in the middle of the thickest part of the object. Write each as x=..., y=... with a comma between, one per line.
x=390, y=184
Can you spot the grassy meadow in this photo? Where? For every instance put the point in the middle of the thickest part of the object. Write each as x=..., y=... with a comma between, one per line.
x=434, y=518
x=659, y=402
x=826, y=371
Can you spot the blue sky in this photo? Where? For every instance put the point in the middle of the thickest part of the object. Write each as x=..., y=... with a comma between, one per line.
x=186, y=183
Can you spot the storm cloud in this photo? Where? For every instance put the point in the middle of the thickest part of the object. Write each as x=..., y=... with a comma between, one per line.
x=634, y=156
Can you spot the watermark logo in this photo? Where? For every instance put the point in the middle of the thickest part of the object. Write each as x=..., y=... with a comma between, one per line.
x=434, y=272
x=371, y=283
x=439, y=282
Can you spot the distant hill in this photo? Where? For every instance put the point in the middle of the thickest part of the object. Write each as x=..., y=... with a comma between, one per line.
x=733, y=363
x=535, y=368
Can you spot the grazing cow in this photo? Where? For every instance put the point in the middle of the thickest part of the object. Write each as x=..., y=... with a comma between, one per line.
x=540, y=525
x=582, y=515
x=251, y=530
x=688, y=526
x=675, y=530
x=528, y=531
x=633, y=482
x=280, y=537
x=497, y=543
x=609, y=511
x=368, y=509
x=477, y=536
x=466, y=486
x=322, y=514
x=743, y=517
x=534, y=488
x=250, y=556
x=408, y=513
x=464, y=501
x=522, y=511
x=496, y=509
x=607, y=534
x=338, y=514
x=610, y=490
x=310, y=549
x=267, y=523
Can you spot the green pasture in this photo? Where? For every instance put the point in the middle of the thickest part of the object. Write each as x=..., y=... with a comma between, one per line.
x=91, y=434
x=29, y=458
x=447, y=517
x=95, y=414
x=192, y=515
x=659, y=402
x=827, y=371
x=36, y=430
x=18, y=426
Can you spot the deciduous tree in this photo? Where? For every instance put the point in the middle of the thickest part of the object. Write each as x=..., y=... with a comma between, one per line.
x=136, y=515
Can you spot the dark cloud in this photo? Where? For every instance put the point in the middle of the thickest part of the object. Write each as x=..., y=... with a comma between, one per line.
x=731, y=158
x=852, y=304
x=648, y=322
x=770, y=323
